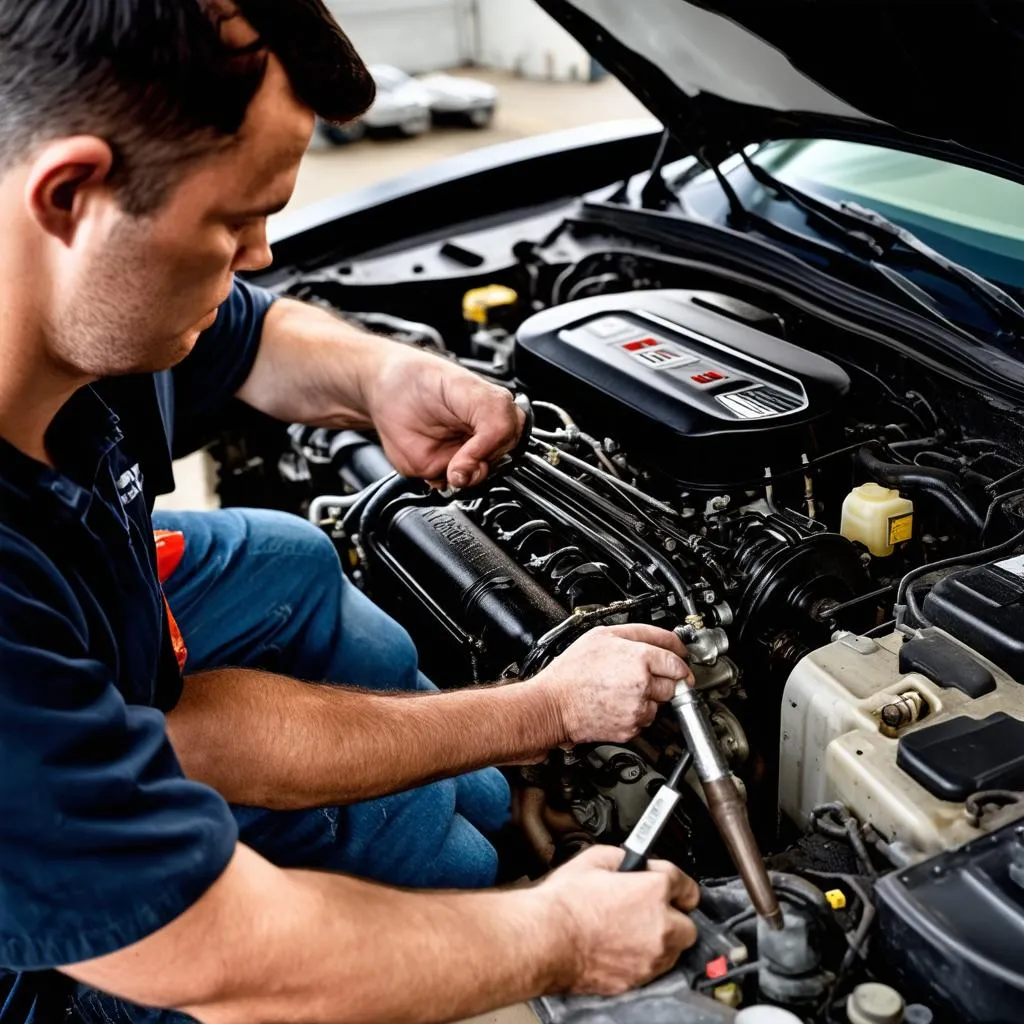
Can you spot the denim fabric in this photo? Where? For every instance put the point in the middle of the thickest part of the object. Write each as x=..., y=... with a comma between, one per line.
x=265, y=590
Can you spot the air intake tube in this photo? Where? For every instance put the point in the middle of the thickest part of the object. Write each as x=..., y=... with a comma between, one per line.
x=939, y=484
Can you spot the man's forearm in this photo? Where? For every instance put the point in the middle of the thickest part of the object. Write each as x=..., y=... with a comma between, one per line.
x=265, y=945
x=448, y=956
x=312, y=368
x=268, y=741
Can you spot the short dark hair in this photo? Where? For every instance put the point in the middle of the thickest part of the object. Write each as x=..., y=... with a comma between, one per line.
x=156, y=79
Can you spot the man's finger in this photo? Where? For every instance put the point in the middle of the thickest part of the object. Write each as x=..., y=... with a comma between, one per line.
x=495, y=435
x=655, y=636
x=666, y=664
x=662, y=688
x=684, y=935
x=684, y=892
x=609, y=858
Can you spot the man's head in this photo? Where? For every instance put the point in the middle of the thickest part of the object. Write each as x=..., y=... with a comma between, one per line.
x=142, y=145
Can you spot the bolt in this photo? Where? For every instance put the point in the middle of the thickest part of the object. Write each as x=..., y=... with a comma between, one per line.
x=670, y=544
x=902, y=711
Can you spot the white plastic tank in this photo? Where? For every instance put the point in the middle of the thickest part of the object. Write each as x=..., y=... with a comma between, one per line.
x=878, y=518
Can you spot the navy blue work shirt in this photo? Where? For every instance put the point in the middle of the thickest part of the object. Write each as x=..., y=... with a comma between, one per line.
x=103, y=840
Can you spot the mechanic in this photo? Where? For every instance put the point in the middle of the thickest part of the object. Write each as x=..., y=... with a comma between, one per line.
x=201, y=843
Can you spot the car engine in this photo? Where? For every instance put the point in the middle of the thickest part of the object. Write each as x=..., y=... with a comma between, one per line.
x=820, y=520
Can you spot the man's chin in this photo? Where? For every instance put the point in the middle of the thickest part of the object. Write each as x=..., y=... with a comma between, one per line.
x=177, y=350
x=208, y=321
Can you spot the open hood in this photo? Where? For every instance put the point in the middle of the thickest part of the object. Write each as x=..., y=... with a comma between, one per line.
x=944, y=79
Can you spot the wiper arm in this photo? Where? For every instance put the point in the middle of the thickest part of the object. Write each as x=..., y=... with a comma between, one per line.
x=876, y=237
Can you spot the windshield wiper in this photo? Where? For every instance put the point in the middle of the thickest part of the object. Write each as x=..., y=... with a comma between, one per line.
x=876, y=238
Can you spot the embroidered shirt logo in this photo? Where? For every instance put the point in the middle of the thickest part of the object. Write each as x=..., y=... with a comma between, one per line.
x=129, y=485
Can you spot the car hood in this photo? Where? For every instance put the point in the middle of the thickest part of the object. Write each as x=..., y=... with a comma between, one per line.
x=933, y=78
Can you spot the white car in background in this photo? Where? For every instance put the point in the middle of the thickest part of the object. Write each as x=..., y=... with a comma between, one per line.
x=411, y=105
x=465, y=100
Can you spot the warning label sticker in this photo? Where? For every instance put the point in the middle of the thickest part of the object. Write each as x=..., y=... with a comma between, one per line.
x=901, y=528
x=1015, y=566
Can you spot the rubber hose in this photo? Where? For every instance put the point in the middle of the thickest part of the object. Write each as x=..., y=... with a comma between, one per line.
x=937, y=483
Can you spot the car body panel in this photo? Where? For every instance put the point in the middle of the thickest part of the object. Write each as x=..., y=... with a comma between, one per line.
x=935, y=79
x=483, y=182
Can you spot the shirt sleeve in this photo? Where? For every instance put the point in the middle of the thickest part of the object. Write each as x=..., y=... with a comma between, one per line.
x=206, y=382
x=103, y=841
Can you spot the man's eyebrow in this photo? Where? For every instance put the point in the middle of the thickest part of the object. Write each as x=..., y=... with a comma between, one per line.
x=262, y=211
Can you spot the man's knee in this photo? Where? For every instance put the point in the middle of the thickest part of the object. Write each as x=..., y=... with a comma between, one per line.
x=296, y=550
x=414, y=838
x=484, y=799
x=467, y=861
x=271, y=557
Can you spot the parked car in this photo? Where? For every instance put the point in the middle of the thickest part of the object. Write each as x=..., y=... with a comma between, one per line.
x=461, y=100
x=409, y=106
x=774, y=346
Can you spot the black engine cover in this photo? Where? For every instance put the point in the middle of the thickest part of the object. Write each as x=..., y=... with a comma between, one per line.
x=711, y=397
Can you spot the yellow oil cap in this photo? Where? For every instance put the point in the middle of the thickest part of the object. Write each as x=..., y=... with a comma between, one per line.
x=730, y=993
x=478, y=303
x=836, y=899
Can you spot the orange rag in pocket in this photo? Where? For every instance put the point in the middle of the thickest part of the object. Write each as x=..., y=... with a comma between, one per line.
x=170, y=550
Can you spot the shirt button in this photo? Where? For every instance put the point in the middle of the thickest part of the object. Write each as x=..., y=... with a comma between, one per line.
x=64, y=490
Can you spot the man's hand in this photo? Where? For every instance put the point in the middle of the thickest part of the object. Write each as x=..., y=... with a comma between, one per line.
x=607, y=686
x=438, y=421
x=621, y=930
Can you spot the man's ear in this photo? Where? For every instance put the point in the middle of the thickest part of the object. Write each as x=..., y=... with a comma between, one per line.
x=65, y=176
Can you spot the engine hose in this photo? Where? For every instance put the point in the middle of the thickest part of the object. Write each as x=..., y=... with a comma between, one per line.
x=532, y=802
x=912, y=605
x=976, y=558
x=938, y=483
x=680, y=588
x=389, y=489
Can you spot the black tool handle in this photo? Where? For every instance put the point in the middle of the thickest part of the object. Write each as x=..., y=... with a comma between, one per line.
x=633, y=862
x=646, y=833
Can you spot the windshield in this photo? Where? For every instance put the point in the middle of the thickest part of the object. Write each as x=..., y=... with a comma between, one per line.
x=974, y=218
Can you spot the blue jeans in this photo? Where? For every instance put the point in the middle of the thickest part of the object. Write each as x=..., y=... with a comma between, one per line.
x=265, y=590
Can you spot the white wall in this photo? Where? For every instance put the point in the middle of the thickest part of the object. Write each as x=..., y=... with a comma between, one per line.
x=519, y=36
x=415, y=35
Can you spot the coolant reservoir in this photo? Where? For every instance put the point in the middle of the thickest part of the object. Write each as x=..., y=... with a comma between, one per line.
x=878, y=518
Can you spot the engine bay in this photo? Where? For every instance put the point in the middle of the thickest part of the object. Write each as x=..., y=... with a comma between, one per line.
x=828, y=523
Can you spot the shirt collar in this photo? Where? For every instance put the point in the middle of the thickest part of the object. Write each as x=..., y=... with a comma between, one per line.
x=81, y=436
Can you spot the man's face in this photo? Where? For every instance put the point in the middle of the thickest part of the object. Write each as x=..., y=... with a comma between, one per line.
x=133, y=294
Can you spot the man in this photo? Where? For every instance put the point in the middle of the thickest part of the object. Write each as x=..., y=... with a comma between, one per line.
x=190, y=844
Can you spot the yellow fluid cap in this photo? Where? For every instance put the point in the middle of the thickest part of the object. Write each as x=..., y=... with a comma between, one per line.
x=836, y=899
x=729, y=993
x=477, y=303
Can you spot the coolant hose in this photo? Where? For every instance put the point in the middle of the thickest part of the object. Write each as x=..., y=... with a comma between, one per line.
x=939, y=484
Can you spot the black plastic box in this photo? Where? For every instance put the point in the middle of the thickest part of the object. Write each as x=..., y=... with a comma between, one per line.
x=984, y=608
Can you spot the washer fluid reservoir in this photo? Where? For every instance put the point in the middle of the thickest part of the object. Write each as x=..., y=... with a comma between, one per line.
x=878, y=518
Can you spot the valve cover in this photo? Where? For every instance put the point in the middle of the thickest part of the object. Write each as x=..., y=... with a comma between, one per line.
x=686, y=376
